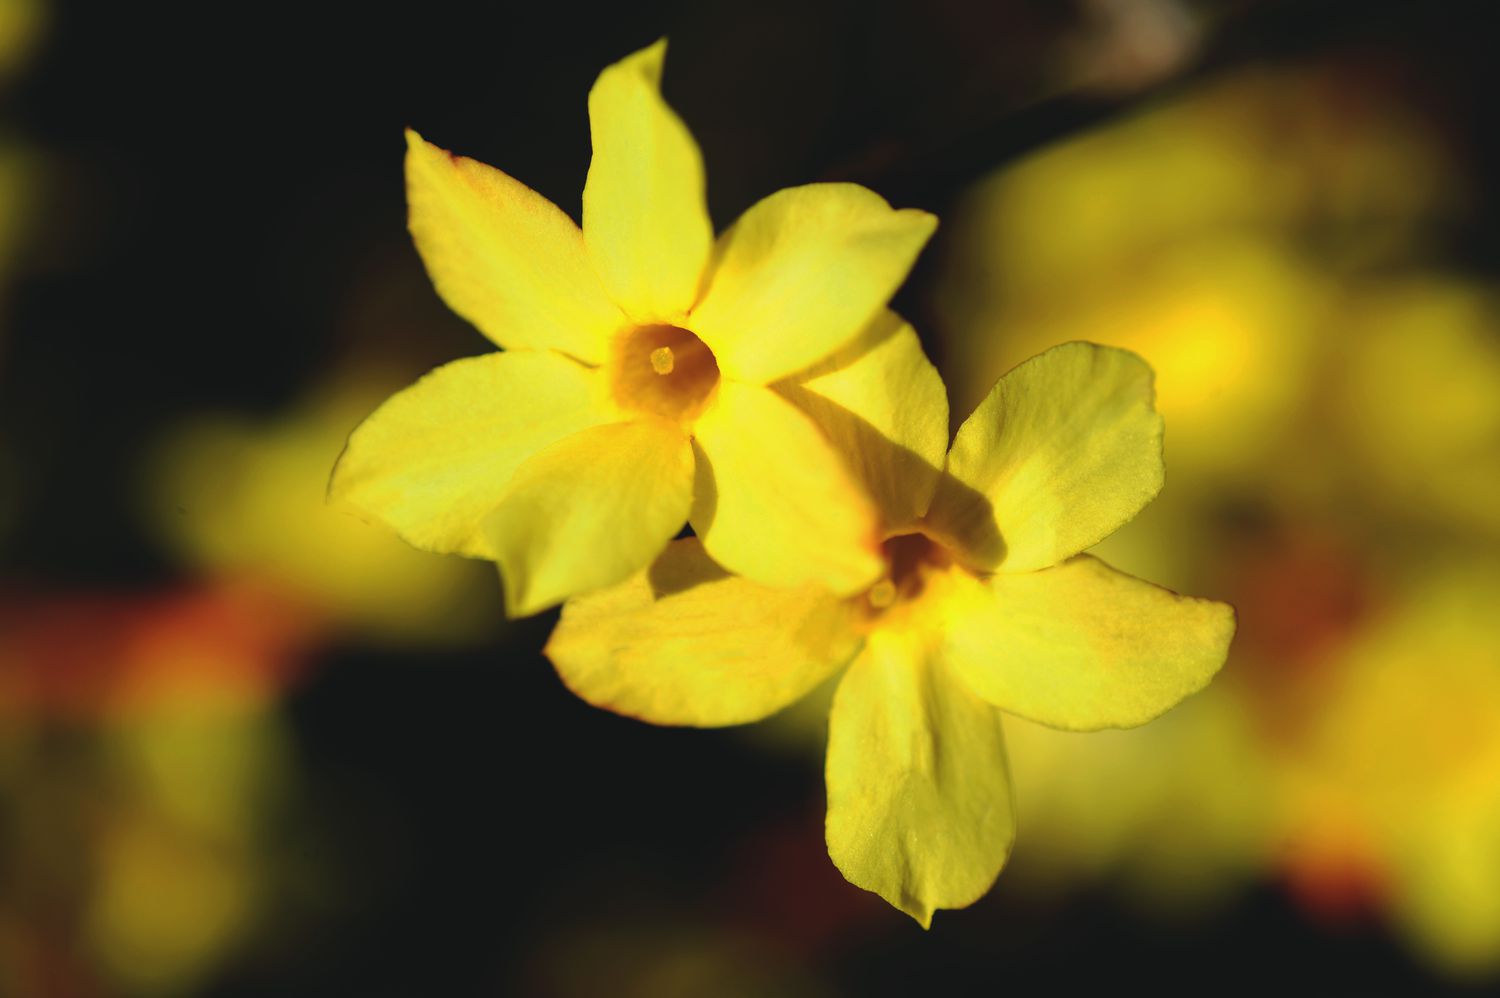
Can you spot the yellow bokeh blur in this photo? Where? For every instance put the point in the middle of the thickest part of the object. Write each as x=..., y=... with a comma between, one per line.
x=1332, y=404
x=205, y=790
x=21, y=26
x=1405, y=750
x=1148, y=808
x=246, y=498
x=180, y=861
x=1416, y=403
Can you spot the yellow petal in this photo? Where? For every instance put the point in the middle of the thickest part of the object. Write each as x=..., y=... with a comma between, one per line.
x=685, y=642
x=800, y=274
x=919, y=794
x=589, y=511
x=1083, y=646
x=884, y=407
x=504, y=257
x=435, y=459
x=774, y=502
x=1066, y=449
x=645, y=217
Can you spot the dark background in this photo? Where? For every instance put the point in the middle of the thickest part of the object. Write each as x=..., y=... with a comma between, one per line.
x=216, y=182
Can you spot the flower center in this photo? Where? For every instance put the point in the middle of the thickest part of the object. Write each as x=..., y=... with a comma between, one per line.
x=911, y=562
x=663, y=370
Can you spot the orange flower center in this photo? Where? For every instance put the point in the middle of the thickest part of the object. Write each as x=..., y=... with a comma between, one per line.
x=663, y=370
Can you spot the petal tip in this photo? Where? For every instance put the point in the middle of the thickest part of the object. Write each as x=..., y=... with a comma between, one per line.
x=416, y=145
x=647, y=61
x=921, y=218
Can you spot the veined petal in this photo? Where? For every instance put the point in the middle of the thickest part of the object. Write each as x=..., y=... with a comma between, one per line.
x=1066, y=449
x=685, y=642
x=800, y=274
x=589, y=511
x=645, y=216
x=436, y=458
x=1083, y=646
x=504, y=257
x=773, y=500
x=883, y=405
x=920, y=809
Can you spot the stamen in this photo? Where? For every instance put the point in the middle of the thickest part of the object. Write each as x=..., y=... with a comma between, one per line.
x=662, y=360
x=882, y=594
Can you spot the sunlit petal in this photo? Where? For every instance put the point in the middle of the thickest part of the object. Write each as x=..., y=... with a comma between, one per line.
x=436, y=458
x=645, y=218
x=589, y=511
x=919, y=793
x=1066, y=449
x=685, y=642
x=504, y=257
x=883, y=405
x=801, y=273
x=1082, y=646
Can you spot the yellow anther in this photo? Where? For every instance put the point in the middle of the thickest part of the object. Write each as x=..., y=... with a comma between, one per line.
x=662, y=360
x=882, y=594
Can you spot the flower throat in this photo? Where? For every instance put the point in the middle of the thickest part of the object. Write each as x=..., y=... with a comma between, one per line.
x=663, y=370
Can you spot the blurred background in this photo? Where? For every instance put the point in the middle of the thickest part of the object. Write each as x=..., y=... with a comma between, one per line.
x=250, y=746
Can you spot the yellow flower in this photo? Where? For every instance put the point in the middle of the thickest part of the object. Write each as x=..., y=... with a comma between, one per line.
x=985, y=603
x=1416, y=814
x=243, y=500
x=635, y=390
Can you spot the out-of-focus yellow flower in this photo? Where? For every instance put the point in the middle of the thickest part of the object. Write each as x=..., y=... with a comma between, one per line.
x=21, y=23
x=1259, y=152
x=181, y=876
x=1417, y=402
x=634, y=389
x=1393, y=790
x=243, y=500
x=1332, y=415
x=1174, y=812
x=1228, y=326
x=985, y=603
x=1206, y=233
